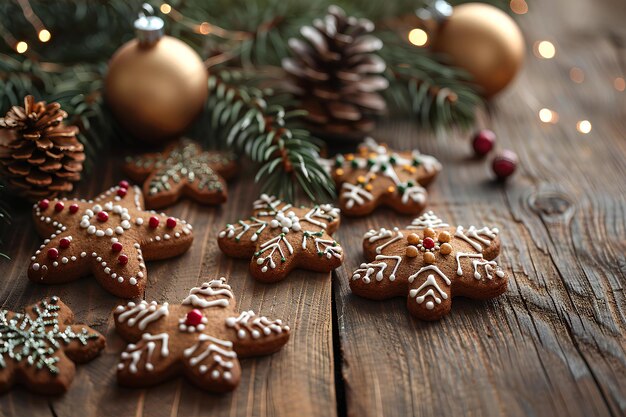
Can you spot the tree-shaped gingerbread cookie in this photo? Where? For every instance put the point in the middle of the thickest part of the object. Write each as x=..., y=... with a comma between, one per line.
x=430, y=262
x=201, y=338
x=377, y=175
x=110, y=237
x=280, y=237
x=38, y=348
x=183, y=169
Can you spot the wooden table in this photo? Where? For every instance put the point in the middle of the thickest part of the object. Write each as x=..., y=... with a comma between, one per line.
x=553, y=345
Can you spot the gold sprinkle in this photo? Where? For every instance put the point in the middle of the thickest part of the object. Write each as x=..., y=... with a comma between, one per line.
x=445, y=249
x=360, y=179
x=413, y=239
x=444, y=237
x=391, y=189
x=339, y=172
x=411, y=251
x=369, y=187
x=428, y=232
x=429, y=257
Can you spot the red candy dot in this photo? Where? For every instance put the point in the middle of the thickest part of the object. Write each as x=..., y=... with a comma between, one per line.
x=59, y=206
x=65, y=243
x=73, y=208
x=122, y=259
x=124, y=184
x=153, y=222
x=53, y=253
x=43, y=204
x=428, y=243
x=194, y=317
x=171, y=222
x=122, y=192
x=103, y=216
x=116, y=247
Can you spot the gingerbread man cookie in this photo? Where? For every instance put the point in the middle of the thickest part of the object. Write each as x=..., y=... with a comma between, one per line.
x=110, y=237
x=38, y=348
x=202, y=338
x=377, y=175
x=183, y=169
x=431, y=263
x=280, y=237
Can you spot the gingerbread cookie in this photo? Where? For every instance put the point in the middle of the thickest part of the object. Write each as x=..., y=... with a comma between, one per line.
x=377, y=175
x=202, y=338
x=431, y=263
x=110, y=237
x=183, y=169
x=38, y=348
x=280, y=237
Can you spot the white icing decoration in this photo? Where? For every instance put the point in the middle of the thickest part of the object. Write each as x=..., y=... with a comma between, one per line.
x=218, y=352
x=489, y=266
x=248, y=323
x=216, y=287
x=377, y=267
x=135, y=354
x=143, y=314
x=476, y=235
x=428, y=219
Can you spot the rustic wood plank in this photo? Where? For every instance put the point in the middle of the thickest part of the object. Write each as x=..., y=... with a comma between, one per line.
x=298, y=380
x=555, y=344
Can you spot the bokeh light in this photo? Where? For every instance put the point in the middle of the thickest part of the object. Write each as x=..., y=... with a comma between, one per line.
x=21, y=47
x=548, y=116
x=545, y=49
x=418, y=37
x=583, y=126
x=519, y=6
x=619, y=83
x=165, y=8
x=44, y=35
x=577, y=75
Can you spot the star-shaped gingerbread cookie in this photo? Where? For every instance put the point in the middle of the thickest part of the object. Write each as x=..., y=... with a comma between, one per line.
x=110, y=237
x=38, y=348
x=202, y=338
x=377, y=175
x=430, y=263
x=280, y=237
x=183, y=169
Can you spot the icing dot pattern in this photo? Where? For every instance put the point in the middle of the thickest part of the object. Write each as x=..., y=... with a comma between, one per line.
x=108, y=236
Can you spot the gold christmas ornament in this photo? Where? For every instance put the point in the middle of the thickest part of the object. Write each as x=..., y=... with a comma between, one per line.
x=156, y=85
x=484, y=41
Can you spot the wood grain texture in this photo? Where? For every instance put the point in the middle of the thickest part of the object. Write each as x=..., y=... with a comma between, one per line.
x=298, y=380
x=555, y=343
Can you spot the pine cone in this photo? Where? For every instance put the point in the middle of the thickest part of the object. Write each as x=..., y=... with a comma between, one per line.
x=39, y=156
x=336, y=76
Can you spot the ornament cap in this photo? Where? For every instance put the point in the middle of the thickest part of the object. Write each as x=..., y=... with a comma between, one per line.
x=148, y=27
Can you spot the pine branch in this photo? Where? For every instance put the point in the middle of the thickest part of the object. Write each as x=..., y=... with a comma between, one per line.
x=439, y=95
x=267, y=133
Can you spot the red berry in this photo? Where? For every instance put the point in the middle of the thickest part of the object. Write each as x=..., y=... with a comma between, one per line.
x=43, y=204
x=171, y=222
x=504, y=164
x=428, y=243
x=65, y=243
x=116, y=247
x=122, y=259
x=121, y=192
x=53, y=253
x=59, y=206
x=103, y=216
x=124, y=184
x=194, y=317
x=73, y=208
x=153, y=222
x=483, y=142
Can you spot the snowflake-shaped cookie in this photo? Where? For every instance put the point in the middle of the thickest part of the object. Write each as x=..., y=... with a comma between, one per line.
x=280, y=237
x=377, y=175
x=431, y=263
x=183, y=169
x=39, y=347
x=202, y=338
x=110, y=237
